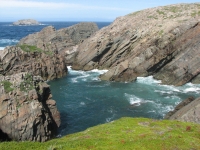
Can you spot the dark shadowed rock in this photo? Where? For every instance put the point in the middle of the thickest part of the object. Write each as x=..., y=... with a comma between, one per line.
x=63, y=41
x=27, y=111
x=160, y=41
x=26, y=22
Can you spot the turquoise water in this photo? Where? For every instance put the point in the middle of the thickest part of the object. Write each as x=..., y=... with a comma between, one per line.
x=85, y=101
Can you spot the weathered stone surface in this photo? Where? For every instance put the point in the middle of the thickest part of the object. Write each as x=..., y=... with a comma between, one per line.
x=49, y=65
x=63, y=41
x=26, y=22
x=188, y=111
x=160, y=41
x=26, y=112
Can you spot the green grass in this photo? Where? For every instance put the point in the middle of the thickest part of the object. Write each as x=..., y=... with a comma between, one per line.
x=30, y=48
x=123, y=134
x=27, y=84
x=7, y=86
x=160, y=12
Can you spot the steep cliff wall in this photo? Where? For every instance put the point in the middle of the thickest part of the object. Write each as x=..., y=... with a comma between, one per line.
x=47, y=64
x=27, y=111
x=160, y=41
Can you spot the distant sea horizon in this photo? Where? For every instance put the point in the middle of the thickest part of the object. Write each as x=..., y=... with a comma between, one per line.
x=11, y=35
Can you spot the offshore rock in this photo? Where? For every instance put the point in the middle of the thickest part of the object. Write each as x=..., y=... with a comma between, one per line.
x=47, y=64
x=26, y=22
x=187, y=111
x=27, y=111
x=162, y=41
x=63, y=41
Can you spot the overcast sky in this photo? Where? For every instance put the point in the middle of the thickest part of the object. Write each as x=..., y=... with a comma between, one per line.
x=75, y=10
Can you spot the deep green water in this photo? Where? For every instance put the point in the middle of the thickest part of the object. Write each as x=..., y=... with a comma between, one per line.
x=85, y=101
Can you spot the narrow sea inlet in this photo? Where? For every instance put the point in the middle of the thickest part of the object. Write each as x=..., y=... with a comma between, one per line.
x=85, y=101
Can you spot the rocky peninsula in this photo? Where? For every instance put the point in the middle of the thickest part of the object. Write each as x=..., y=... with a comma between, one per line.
x=27, y=111
x=26, y=22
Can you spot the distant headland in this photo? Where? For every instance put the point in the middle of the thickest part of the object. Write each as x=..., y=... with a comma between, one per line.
x=26, y=22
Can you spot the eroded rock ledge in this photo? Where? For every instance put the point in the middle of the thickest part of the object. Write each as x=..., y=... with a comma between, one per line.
x=27, y=111
x=25, y=58
x=187, y=111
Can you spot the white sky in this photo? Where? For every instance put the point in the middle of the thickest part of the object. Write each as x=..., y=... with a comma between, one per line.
x=76, y=10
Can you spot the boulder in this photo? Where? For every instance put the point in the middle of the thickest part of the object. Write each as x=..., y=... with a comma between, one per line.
x=27, y=111
x=26, y=22
x=63, y=41
x=161, y=41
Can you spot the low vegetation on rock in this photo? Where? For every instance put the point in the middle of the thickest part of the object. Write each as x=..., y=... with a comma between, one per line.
x=125, y=133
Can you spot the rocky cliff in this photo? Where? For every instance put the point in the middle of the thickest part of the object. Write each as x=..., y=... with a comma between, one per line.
x=26, y=22
x=160, y=41
x=187, y=111
x=25, y=58
x=63, y=41
x=27, y=111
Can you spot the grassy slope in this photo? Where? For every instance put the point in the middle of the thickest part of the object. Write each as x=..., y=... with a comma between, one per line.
x=125, y=133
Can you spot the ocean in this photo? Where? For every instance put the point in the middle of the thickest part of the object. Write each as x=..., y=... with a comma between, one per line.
x=85, y=101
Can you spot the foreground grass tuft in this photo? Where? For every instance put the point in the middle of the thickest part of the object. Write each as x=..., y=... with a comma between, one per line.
x=125, y=133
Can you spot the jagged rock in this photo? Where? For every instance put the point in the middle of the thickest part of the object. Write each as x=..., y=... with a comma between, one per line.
x=26, y=22
x=27, y=111
x=47, y=64
x=187, y=111
x=160, y=41
x=62, y=41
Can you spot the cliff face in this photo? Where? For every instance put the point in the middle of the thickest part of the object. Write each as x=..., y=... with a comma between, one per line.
x=27, y=111
x=63, y=41
x=187, y=111
x=161, y=41
x=47, y=64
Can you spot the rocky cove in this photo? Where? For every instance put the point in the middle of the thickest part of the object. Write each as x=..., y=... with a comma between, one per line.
x=164, y=44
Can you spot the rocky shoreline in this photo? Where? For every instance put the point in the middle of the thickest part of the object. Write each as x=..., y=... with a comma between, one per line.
x=162, y=41
x=27, y=111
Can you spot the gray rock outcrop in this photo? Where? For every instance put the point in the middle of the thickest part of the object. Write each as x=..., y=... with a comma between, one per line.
x=26, y=22
x=47, y=64
x=187, y=111
x=160, y=41
x=64, y=41
x=27, y=111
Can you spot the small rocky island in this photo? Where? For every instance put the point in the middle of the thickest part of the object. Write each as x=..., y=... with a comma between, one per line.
x=25, y=22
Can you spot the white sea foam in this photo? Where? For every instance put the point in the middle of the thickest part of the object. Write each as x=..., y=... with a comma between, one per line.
x=147, y=80
x=133, y=100
x=82, y=103
x=85, y=75
x=2, y=48
x=99, y=71
x=8, y=41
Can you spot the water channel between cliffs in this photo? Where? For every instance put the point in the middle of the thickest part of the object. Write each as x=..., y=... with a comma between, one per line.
x=85, y=101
